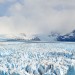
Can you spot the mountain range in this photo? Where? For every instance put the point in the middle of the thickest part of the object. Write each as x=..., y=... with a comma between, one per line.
x=70, y=37
x=52, y=37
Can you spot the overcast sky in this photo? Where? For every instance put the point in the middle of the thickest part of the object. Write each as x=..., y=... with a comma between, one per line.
x=36, y=16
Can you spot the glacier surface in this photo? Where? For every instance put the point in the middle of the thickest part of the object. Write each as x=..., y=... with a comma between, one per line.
x=20, y=58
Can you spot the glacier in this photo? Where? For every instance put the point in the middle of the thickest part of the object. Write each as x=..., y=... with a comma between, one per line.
x=20, y=58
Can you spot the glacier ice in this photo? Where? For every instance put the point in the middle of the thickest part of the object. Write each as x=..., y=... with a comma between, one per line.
x=37, y=58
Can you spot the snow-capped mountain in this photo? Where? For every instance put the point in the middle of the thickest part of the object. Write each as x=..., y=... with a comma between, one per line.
x=52, y=37
x=67, y=37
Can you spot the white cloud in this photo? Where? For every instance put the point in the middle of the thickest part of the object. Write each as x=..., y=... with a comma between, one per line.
x=6, y=25
x=35, y=16
x=1, y=1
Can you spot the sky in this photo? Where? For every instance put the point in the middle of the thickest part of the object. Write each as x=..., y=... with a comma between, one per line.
x=37, y=16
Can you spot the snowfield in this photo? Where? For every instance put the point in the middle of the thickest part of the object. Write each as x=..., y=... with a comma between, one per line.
x=19, y=58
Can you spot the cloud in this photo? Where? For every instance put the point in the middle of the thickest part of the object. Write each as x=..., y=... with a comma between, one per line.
x=6, y=26
x=39, y=16
x=1, y=1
